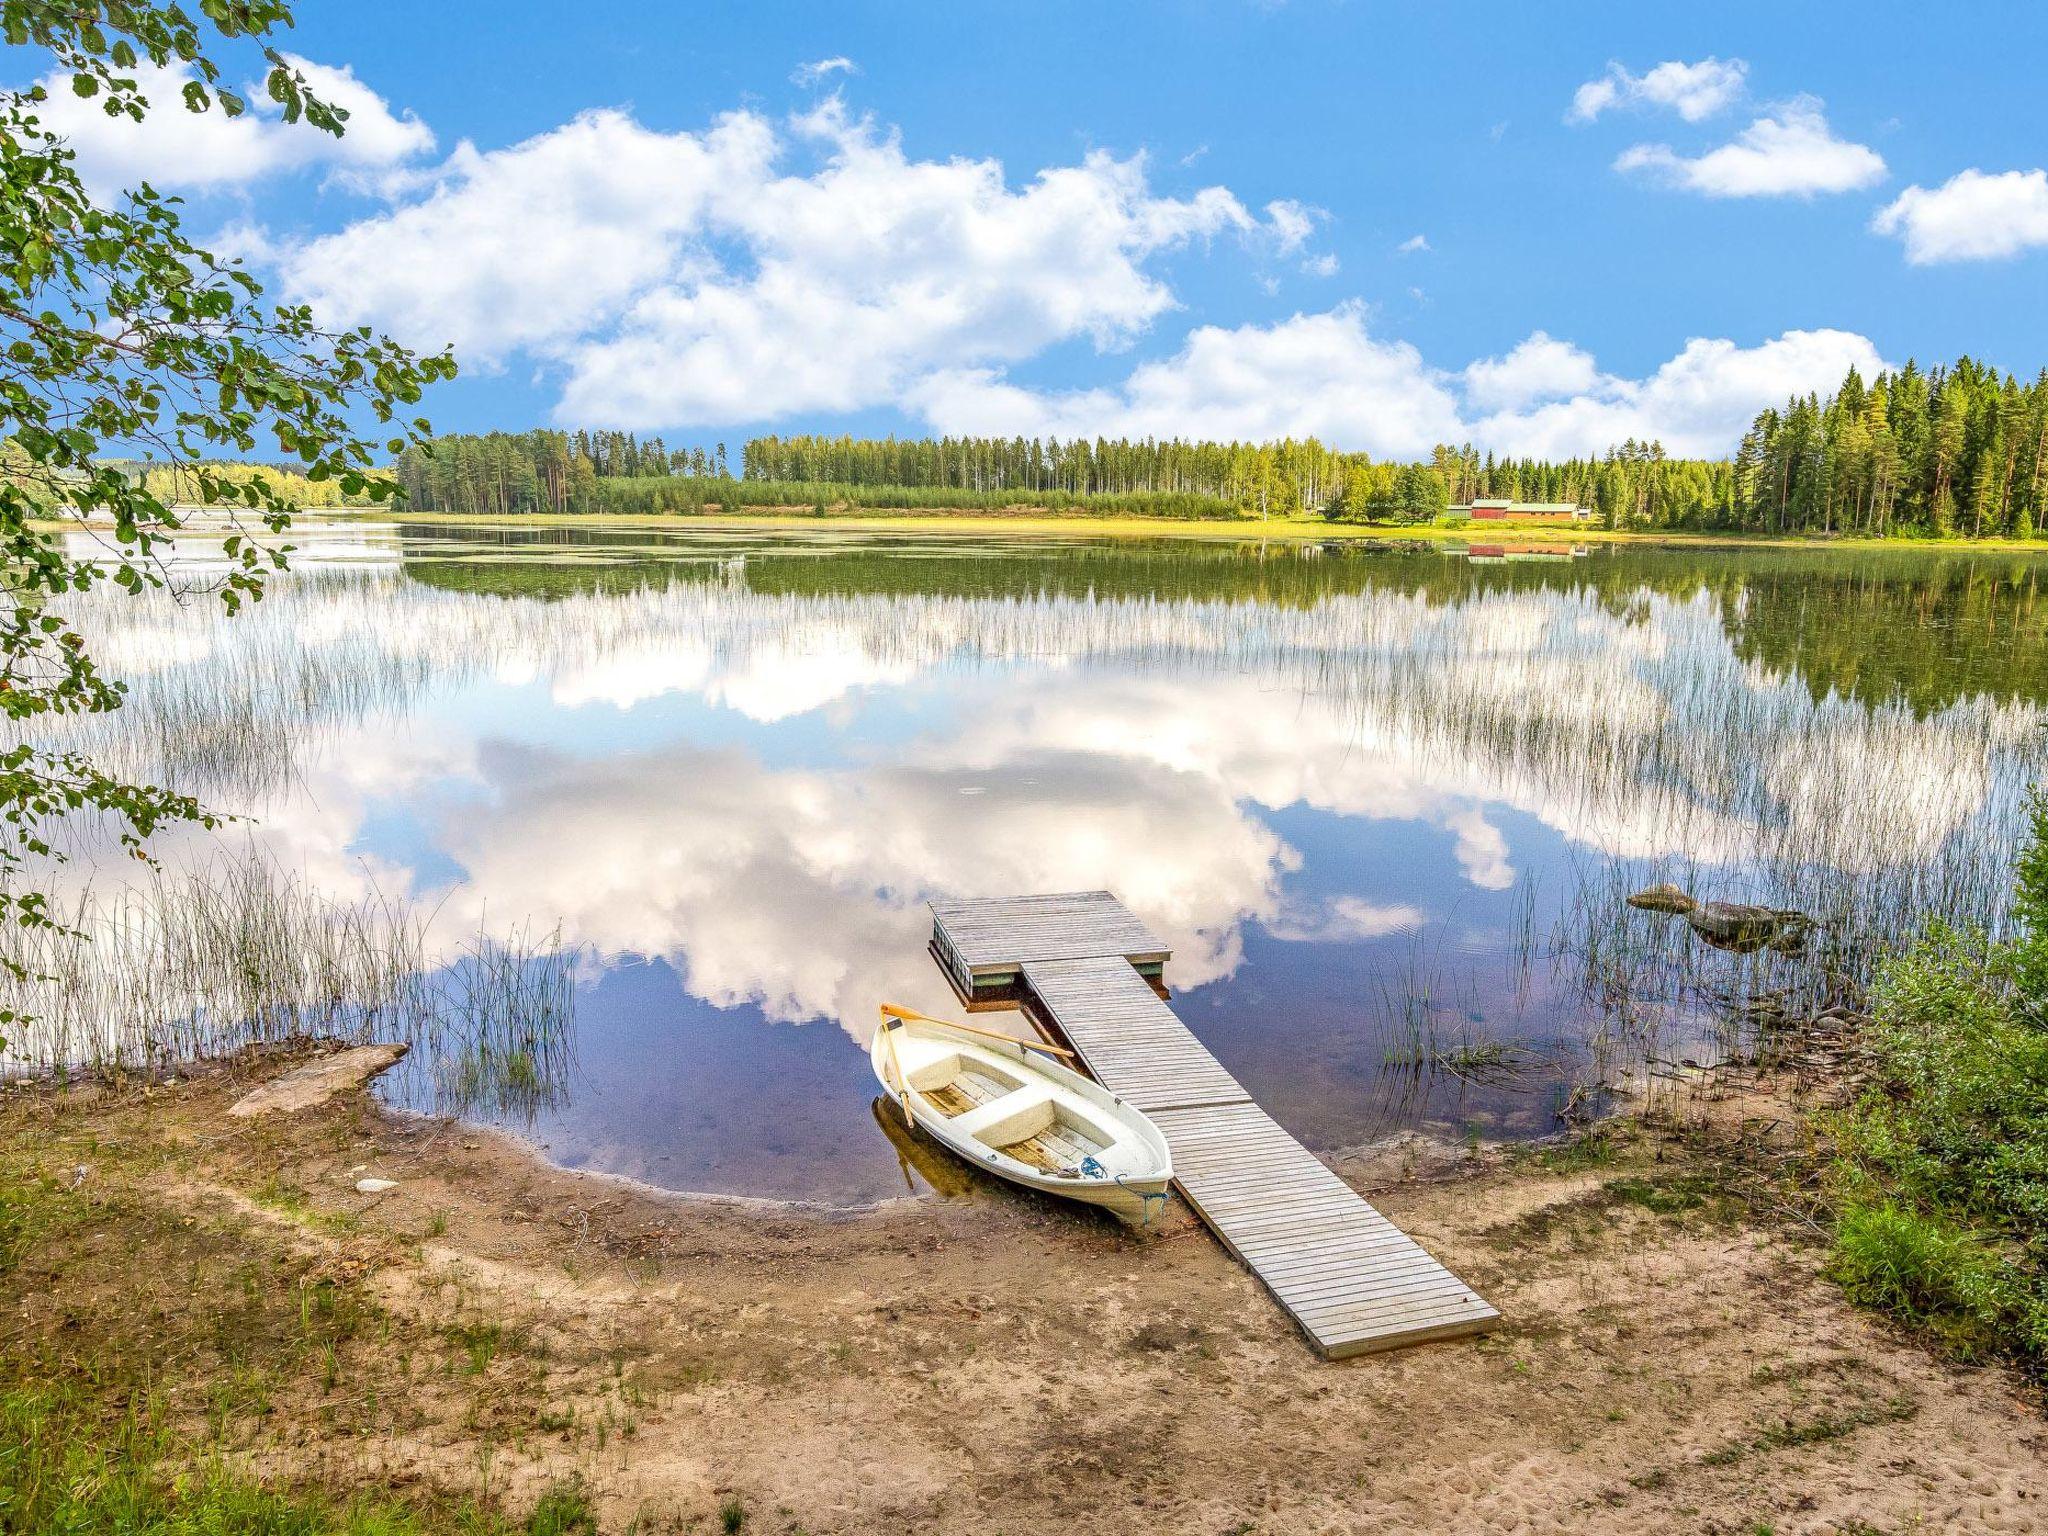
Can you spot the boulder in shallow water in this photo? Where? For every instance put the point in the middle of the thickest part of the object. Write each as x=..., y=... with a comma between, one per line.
x=1662, y=898
x=1737, y=925
x=318, y=1081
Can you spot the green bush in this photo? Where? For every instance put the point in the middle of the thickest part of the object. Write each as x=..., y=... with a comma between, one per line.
x=1940, y=1178
x=1926, y=1270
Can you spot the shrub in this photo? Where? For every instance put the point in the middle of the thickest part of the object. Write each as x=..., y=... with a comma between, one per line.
x=1925, y=1270
x=1940, y=1180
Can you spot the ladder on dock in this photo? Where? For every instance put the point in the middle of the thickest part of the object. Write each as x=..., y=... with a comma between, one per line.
x=1350, y=1278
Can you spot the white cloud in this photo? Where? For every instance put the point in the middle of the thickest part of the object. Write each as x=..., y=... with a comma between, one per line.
x=1481, y=850
x=685, y=278
x=1311, y=375
x=1791, y=154
x=1346, y=919
x=1292, y=223
x=1413, y=245
x=759, y=268
x=1697, y=405
x=1325, y=375
x=1693, y=91
x=823, y=69
x=375, y=136
x=535, y=245
x=176, y=149
x=1090, y=757
x=1973, y=216
x=1541, y=368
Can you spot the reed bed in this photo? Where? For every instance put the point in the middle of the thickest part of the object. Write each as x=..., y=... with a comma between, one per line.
x=1636, y=724
x=181, y=964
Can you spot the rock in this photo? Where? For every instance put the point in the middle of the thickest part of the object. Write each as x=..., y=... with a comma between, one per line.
x=1790, y=939
x=318, y=1081
x=375, y=1186
x=1738, y=926
x=1662, y=898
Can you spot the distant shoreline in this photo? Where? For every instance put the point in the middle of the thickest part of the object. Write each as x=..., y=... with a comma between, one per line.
x=1295, y=529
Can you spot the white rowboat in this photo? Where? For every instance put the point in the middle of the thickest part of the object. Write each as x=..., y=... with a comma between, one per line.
x=1009, y=1110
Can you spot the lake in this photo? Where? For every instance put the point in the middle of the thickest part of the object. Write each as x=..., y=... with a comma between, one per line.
x=667, y=807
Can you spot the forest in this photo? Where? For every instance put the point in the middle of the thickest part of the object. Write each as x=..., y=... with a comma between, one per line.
x=1941, y=452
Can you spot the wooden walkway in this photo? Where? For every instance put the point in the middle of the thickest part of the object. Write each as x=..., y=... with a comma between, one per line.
x=1352, y=1279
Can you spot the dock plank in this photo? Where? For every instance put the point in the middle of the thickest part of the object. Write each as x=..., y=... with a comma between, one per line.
x=1351, y=1279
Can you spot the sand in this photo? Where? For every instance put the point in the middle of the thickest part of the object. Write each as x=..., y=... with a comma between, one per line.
x=1673, y=1358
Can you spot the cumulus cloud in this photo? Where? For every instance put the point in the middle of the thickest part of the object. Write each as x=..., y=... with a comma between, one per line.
x=1413, y=245
x=1540, y=368
x=691, y=278
x=1693, y=91
x=1310, y=375
x=758, y=268
x=177, y=150
x=819, y=70
x=1698, y=404
x=535, y=245
x=1973, y=216
x=1792, y=153
x=1325, y=375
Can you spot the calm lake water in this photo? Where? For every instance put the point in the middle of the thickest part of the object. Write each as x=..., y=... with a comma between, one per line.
x=1381, y=802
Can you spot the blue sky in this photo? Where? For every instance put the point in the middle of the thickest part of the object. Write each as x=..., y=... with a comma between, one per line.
x=1153, y=218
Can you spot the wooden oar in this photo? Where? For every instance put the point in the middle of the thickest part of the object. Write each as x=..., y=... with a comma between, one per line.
x=902, y=1082
x=895, y=1012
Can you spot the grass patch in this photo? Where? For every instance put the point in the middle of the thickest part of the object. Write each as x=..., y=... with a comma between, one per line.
x=1671, y=1194
x=479, y=1342
x=1939, y=1185
x=1789, y=1434
x=1598, y=1148
x=65, y=1468
x=98, y=1437
x=564, y=1510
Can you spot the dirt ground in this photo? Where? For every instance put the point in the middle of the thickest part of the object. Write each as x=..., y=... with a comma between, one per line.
x=989, y=1363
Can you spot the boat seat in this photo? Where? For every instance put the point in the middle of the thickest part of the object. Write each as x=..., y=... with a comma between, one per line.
x=1017, y=1114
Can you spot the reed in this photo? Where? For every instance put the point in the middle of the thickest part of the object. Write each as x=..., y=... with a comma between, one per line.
x=181, y=964
x=1671, y=719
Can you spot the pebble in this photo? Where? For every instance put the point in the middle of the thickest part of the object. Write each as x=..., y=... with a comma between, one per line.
x=375, y=1186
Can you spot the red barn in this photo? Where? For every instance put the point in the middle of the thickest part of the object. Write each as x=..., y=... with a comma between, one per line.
x=1495, y=510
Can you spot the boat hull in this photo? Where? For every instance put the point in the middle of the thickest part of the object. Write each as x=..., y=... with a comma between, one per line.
x=1013, y=1113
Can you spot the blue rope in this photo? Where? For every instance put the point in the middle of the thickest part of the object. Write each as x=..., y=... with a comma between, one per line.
x=1092, y=1169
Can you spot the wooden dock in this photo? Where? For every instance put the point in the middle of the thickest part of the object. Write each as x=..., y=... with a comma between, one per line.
x=1350, y=1278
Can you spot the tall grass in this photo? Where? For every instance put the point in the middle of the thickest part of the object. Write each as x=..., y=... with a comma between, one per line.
x=71, y=1467
x=1629, y=720
x=192, y=962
